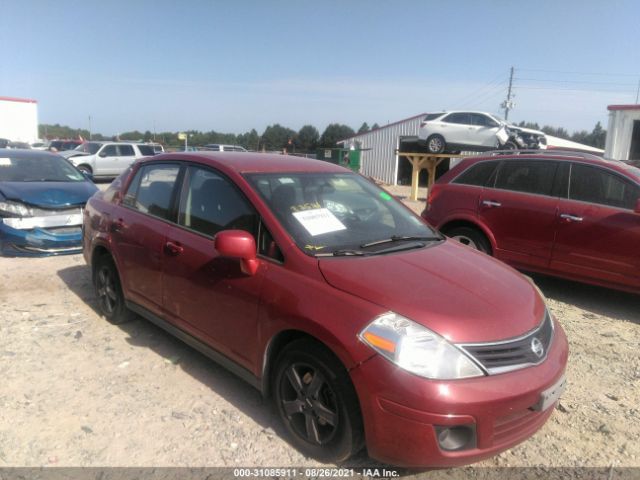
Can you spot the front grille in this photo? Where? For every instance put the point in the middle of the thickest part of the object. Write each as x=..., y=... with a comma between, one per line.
x=517, y=424
x=516, y=353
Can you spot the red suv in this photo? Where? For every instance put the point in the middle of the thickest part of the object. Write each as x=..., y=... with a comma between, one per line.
x=565, y=214
x=364, y=325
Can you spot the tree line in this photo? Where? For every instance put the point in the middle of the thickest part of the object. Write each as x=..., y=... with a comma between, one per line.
x=277, y=137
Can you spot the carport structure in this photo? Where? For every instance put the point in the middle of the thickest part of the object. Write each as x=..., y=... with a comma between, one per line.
x=427, y=161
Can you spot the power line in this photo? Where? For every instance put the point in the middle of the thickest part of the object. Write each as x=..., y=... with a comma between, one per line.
x=565, y=72
x=576, y=81
x=495, y=82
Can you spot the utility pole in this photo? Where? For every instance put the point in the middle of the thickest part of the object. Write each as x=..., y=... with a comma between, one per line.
x=89, y=127
x=508, y=103
x=638, y=92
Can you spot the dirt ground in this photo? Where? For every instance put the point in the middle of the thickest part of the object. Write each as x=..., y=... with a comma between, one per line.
x=78, y=391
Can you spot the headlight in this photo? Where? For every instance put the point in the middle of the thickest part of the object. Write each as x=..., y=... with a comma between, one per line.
x=417, y=349
x=14, y=209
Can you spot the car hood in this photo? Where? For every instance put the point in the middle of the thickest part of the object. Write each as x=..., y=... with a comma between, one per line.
x=525, y=130
x=464, y=295
x=48, y=194
x=73, y=153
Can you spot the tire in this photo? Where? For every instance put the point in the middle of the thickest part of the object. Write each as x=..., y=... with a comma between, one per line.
x=108, y=291
x=315, y=399
x=85, y=169
x=436, y=144
x=510, y=146
x=471, y=237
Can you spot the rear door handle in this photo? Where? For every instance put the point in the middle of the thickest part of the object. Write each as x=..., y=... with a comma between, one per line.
x=173, y=248
x=491, y=203
x=570, y=218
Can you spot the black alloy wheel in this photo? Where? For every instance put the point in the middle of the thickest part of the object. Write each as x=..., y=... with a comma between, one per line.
x=109, y=292
x=317, y=403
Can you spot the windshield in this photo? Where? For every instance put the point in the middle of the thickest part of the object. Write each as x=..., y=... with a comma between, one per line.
x=37, y=168
x=88, y=147
x=329, y=213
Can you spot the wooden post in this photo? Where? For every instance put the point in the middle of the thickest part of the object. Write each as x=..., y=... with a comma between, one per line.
x=424, y=160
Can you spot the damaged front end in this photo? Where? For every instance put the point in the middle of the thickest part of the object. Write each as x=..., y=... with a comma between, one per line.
x=27, y=230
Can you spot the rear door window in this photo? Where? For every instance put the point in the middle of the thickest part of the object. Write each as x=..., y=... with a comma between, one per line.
x=531, y=176
x=458, y=117
x=151, y=191
x=596, y=185
x=478, y=174
x=126, y=151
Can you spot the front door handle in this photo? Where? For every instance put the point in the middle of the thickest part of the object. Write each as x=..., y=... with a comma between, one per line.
x=570, y=218
x=173, y=248
x=491, y=203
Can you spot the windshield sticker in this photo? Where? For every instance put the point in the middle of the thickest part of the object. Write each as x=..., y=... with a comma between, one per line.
x=286, y=180
x=319, y=221
x=305, y=206
x=5, y=162
x=385, y=196
x=314, y=247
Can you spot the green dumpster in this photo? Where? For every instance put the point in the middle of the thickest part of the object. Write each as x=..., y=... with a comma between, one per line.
x=341, y=156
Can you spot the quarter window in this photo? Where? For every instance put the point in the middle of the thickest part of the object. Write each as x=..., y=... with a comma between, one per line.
x=595, y=185
x=152, y=188
x=210, y=203
x=527, y=176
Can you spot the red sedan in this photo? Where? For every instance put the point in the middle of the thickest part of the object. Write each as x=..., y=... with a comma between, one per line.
x=365, y=326
x=565, y=214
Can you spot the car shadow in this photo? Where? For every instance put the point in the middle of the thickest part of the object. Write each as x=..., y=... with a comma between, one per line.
x=598, y=300
x=247, y=399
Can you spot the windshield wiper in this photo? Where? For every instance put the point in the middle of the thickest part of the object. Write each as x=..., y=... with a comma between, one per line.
x=341, y=253
x=398, y=238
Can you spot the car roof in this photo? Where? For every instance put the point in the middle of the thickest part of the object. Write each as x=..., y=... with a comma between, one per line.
x=26, y=153
x=249, y=162
x=617, y=165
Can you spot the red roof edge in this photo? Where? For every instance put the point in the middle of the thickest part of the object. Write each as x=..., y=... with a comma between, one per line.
x=14, y=99
x=623, y=107
x=380, y=128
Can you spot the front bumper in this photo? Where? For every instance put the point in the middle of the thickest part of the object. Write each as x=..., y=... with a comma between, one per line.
x=403, y=412
x=40, y=242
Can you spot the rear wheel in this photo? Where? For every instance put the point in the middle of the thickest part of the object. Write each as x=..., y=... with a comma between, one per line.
x=470, y=237
x=109, y=291
x=436, y=144
x=317, y=403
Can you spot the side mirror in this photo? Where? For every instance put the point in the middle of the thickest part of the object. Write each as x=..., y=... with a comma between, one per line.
x=637, y=209
x=238, y=244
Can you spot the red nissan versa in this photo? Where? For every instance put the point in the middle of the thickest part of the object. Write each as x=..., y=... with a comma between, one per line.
x=567, y=214
x=364, y=325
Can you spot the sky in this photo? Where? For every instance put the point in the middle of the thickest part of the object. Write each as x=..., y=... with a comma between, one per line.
x=235, y=65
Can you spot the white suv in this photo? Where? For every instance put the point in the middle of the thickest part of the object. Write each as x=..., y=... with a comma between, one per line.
x=476, y=131
x=107, y=159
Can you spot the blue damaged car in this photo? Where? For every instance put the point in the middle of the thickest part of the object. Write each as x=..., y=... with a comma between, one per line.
x=42, y=197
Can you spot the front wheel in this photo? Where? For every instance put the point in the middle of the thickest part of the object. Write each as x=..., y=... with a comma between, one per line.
x=317, y=403
x=86, y=169
x=470, y=237
x=510, y=146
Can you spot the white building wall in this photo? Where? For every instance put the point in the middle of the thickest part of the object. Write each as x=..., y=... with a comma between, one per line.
x=619, y=132
x=19, y=120
x=379, y=159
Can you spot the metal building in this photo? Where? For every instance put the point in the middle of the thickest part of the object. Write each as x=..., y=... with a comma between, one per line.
x=380, y=146
x=623, y=132
x=18, y=119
